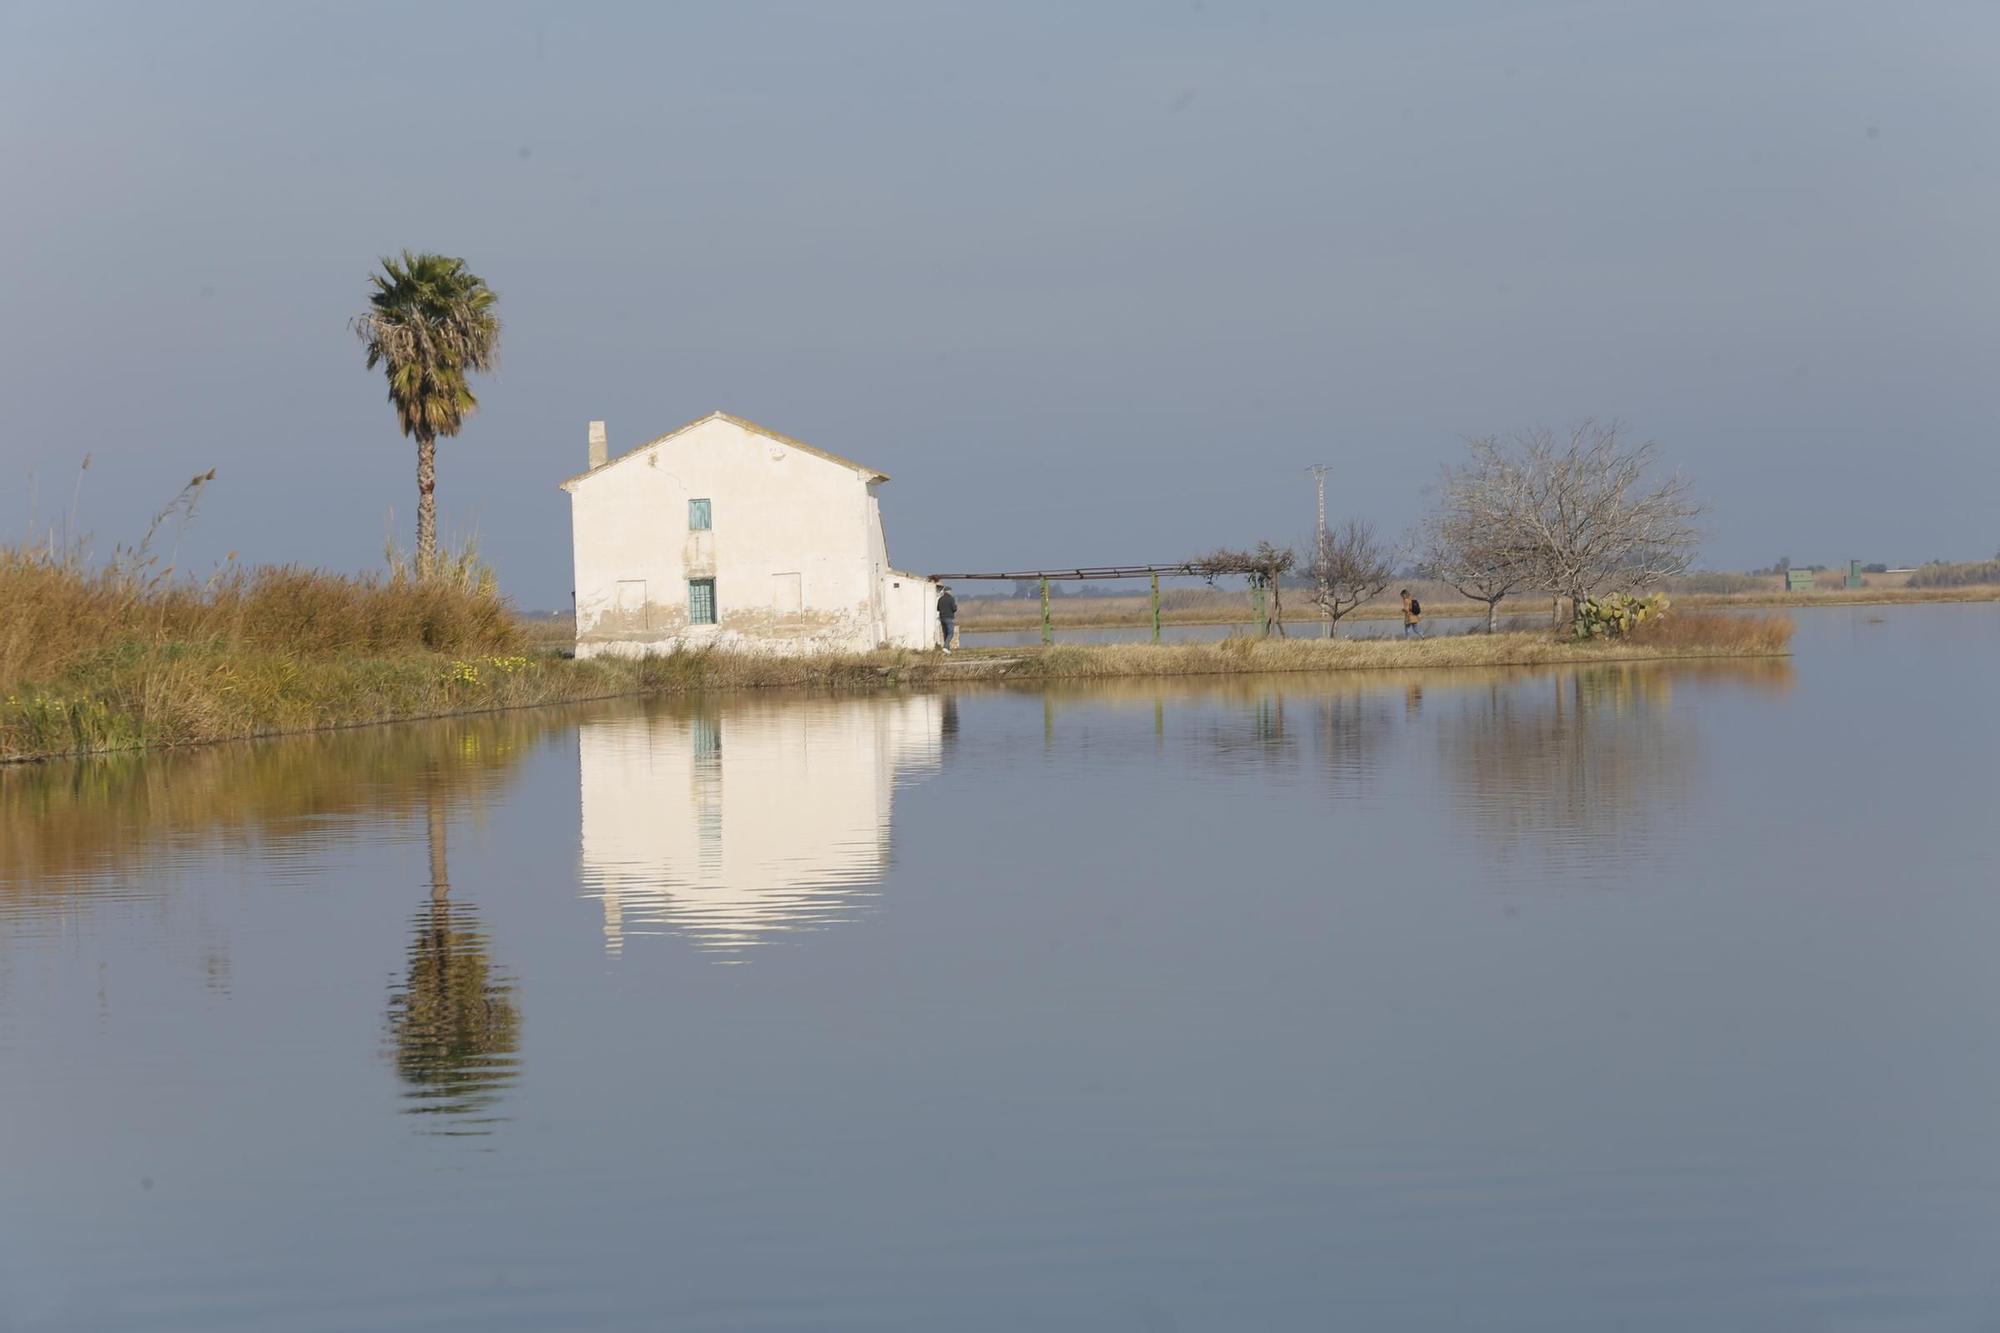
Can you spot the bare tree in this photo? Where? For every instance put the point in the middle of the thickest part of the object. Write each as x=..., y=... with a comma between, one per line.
x=1349, y=565
x=1264, y=567
x=1467, y=542
x=1579, y=513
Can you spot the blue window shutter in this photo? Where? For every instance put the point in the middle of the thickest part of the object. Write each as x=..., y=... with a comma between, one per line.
x=698, y=516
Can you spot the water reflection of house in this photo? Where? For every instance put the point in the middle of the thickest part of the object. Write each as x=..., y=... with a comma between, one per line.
x=732, y=824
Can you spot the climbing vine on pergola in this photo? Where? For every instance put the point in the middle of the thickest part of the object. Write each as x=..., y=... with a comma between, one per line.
x=1265, y=566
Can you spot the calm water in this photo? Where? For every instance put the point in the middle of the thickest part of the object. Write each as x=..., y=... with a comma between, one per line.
x=1621, y=998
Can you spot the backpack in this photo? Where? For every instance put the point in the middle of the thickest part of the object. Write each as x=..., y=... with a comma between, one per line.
x=1416, y=607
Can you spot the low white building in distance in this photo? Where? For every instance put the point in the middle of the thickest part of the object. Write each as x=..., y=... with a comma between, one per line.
x=725, y=534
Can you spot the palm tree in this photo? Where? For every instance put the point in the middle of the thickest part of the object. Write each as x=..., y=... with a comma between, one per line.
x=430, y=322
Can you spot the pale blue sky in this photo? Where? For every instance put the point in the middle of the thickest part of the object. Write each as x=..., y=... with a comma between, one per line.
x=1095, y=283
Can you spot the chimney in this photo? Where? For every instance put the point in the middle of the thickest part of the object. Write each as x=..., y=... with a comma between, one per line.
x=599, y=453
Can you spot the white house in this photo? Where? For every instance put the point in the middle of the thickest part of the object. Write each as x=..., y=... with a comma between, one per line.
x=724, y=533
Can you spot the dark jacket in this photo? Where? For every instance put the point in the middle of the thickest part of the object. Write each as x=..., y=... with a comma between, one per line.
x=947, y=606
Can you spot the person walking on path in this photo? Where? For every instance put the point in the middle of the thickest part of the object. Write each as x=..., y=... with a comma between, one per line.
x=1413, y=614
x=947, y=613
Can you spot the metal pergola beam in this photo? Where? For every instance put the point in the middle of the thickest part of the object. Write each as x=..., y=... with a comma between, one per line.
x=1087, y=573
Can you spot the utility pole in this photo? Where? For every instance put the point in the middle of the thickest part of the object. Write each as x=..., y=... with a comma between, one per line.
x=1318, y=471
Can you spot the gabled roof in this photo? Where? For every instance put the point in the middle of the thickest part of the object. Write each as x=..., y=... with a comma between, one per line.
x=751, y=426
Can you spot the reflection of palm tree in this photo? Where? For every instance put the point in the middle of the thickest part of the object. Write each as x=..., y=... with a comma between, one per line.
x=454, y=1022
x=434, y=838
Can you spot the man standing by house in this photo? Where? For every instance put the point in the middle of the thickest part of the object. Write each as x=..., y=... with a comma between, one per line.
x=947, y=613
x=1413, y=613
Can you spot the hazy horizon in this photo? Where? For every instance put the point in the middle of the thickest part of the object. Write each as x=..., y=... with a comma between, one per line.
x=1092, y=286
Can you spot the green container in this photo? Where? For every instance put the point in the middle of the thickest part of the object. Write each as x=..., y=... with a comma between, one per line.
x=1797, y=579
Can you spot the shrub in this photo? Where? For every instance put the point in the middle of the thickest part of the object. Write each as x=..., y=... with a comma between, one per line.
x=1956, y=576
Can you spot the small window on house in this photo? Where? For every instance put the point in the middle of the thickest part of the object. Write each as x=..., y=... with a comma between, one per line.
x=701, y=601
x=698, y=516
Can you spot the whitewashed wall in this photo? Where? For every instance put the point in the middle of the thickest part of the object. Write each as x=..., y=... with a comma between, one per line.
x=796, y=549
x=909, y=606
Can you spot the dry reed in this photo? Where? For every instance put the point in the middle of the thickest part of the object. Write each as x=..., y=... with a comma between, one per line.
x=60, y=615
x=1733, y=633
x=116, y=657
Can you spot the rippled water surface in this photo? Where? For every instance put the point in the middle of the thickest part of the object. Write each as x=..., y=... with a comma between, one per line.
x=1638, y=997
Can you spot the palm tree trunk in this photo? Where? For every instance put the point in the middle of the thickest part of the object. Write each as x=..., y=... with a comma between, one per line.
x=427, y=513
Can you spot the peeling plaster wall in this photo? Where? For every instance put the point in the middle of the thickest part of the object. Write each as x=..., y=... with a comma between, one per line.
x=795, y=549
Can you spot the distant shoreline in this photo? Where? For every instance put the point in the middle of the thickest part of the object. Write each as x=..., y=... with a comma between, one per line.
x=341, y=693
x=1234, y=608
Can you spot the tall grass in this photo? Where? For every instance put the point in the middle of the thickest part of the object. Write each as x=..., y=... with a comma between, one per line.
x=60, y=614
x=128, y=654
x=1738, y=633
x=458, y=564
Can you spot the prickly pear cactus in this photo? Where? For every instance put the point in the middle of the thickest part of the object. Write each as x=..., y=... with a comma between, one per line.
x=1616, y=615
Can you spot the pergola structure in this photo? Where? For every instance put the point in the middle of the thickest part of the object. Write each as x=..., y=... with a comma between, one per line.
x=1089, y=574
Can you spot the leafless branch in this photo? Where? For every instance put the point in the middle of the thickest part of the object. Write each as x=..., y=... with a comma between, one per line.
x=1349, y=565
x=1570, y=516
